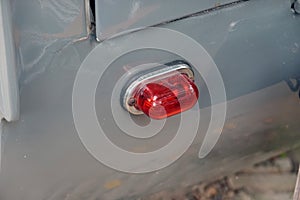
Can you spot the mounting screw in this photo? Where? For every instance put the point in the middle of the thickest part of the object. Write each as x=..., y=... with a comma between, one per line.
x=295, y=6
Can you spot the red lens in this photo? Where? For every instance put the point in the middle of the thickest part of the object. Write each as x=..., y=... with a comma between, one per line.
x=166, y=96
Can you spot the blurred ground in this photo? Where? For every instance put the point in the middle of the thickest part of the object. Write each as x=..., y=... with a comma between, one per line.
x=273, y=179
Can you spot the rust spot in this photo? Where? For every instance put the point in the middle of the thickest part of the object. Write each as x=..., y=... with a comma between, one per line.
x=112, y=184
x=230, y=126
x=217, y=4
x=139, y=149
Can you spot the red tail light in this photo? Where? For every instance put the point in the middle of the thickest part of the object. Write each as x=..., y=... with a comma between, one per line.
x=163, y=94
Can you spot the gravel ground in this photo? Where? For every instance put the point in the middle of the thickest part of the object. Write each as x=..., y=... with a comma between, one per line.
x=273, y=179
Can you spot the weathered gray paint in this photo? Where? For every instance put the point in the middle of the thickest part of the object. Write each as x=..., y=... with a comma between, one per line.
x=43, y=29
x=9, y=90
x=255, y=45
x=115, y=16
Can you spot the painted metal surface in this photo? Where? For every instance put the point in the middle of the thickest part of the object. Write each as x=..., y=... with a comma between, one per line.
x=44, y=31
x=9, y=89
x=116, y=16
x=255, y=46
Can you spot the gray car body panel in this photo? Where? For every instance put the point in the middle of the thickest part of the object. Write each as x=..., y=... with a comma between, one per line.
x=256, y=48
x=9, y=90
x=116, y=16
